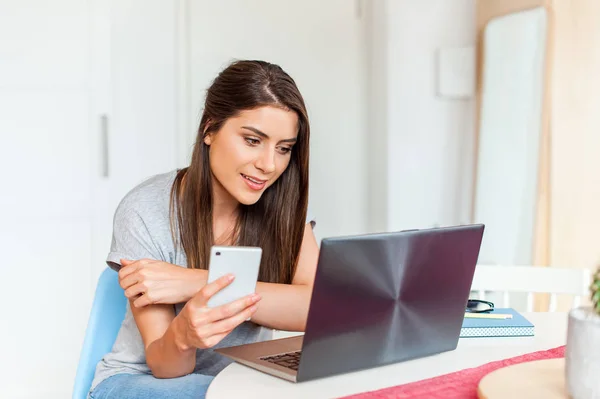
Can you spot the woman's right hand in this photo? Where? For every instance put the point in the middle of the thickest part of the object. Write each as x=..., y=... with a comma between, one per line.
x=199, y=326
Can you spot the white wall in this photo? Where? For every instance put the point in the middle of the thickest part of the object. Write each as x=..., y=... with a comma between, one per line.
x=421, y=145
x=322, y=46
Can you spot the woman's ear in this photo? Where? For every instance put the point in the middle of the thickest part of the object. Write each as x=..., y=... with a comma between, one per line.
x=207, y=136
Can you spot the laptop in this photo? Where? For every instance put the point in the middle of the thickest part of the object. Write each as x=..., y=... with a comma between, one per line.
x=377, y=299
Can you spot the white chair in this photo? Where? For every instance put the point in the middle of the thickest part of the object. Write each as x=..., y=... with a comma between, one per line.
x=531, y=280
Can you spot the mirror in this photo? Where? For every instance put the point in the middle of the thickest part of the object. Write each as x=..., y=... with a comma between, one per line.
x=513, y=67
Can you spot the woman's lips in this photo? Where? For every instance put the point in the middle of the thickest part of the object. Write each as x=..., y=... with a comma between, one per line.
x=254, y=183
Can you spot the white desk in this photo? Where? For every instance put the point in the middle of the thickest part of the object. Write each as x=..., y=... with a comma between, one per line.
x=238, y=381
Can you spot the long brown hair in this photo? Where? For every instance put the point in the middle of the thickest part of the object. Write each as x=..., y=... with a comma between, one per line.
x=276, y=222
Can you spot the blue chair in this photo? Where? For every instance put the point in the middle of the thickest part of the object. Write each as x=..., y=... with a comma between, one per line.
x=108, y=312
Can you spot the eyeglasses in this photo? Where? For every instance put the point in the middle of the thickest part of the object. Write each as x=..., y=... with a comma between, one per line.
x=479, y=306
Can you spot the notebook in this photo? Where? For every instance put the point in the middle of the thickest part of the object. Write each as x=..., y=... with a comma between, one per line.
x=518, y=326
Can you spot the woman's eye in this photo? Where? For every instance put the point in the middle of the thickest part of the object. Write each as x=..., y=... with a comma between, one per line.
x=251, y=141
x=285, y=150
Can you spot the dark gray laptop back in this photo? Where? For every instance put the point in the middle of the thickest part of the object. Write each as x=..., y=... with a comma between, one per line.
x=383, y=298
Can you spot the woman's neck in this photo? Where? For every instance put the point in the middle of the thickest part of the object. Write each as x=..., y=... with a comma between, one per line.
x=225, y=213
x=224, y=205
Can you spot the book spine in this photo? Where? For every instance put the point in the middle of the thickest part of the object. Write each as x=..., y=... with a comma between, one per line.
x=496, y=332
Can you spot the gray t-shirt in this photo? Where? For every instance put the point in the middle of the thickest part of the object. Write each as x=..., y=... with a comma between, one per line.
x=141, y=229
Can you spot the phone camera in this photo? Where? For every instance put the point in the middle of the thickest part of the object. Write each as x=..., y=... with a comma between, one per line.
x=218, y=253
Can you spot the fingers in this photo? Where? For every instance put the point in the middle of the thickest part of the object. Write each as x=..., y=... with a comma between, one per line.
x=233, y=308
x=127, y=275
x=126, y=262
x=135, y=290
x=230, y=323
x=214, y=339
x=209, y=333
x=202, y=297
x=128, y=281
x=207, y=321
x=142, y=301
x=129, y=266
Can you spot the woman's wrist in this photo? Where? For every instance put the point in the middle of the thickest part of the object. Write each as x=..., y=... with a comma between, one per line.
x=178, y=335
x=197, y=279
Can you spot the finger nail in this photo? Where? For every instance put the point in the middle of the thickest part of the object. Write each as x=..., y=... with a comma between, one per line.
x=230, y=277
x=256, y=297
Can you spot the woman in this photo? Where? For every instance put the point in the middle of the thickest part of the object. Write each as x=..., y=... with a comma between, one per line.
x=247, y=185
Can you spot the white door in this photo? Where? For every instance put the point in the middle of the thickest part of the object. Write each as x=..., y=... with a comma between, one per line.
x=135, y=104
x=45, y=194
x=321, y=44
x=65, y=66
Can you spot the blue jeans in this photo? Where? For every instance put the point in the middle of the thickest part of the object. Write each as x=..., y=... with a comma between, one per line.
x=141, y=386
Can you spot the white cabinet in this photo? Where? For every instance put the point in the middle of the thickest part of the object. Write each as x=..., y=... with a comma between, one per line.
x=45, y=196
x=64, y=64
x=136, y=90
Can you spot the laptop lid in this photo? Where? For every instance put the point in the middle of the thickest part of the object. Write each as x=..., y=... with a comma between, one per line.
x=383, y=298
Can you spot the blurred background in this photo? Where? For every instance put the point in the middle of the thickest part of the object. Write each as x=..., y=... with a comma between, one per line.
x=423, y=113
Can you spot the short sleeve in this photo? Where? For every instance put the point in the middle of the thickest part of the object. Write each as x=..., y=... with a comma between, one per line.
x=131, y=238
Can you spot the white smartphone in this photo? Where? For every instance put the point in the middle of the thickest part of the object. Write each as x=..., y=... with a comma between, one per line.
x=243, y=263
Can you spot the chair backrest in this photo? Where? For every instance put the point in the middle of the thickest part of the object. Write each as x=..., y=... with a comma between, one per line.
x=108, y=312
x=531, y=280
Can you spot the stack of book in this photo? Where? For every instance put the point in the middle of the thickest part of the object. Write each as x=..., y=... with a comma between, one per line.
x=501, y=322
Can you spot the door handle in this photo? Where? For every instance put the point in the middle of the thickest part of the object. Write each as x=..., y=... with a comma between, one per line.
x=104, y=144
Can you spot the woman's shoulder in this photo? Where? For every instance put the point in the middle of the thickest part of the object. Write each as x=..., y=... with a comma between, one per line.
x=153, y=186
x=141, y=223
x=148, y=201
x=151, y=192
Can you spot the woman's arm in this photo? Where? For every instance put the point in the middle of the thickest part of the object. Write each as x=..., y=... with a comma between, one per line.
x=158, y=328
x=170, y=341
x=284, y=306
x=150, y=282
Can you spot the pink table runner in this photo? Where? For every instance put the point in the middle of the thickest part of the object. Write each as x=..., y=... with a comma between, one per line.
x=460, y=384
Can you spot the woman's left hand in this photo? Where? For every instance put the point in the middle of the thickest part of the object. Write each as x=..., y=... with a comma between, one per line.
x=153, y=282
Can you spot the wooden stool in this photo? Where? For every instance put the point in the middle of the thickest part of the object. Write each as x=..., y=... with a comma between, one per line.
x=538, y=379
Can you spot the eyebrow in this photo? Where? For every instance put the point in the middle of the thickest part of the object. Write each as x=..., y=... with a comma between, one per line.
x=266, y=136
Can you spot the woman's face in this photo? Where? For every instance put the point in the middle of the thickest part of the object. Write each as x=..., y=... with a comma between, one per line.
x=251, y=151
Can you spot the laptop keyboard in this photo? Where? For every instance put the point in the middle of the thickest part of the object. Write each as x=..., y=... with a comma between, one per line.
x=289, y=360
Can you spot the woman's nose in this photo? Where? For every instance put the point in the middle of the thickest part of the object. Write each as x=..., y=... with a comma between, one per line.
x=266, y=161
